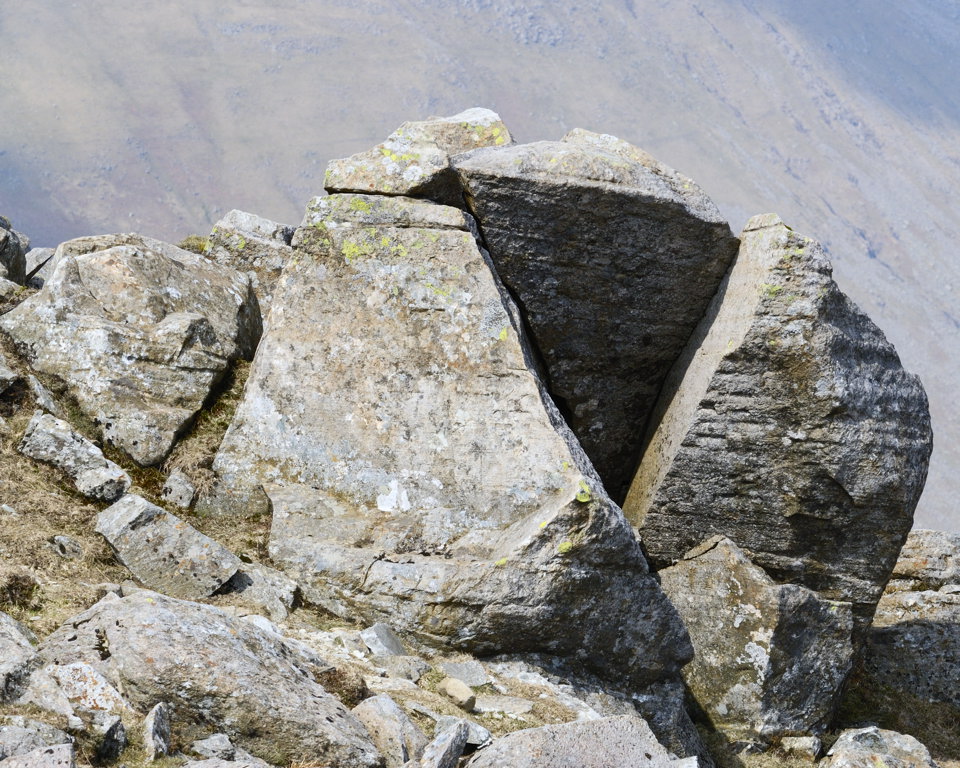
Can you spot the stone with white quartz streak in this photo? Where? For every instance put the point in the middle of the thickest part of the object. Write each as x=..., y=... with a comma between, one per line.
x=769, y=660
x=790, y=427
x=55, y=442
x=416, y=470
x=164, y=552
x=139, y=332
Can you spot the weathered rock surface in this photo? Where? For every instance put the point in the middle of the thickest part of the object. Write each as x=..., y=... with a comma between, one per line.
x=8, y=376
x=54, y=441
x=155, y=731
x=17, y=651
x=872, y=747
x=215, y=672
x=57, y=756
x=415, y=159
x=263, y=589
x=164, y=552
x=395, y=734
x=928, y=560
x=245, y=242
x=416, y=472
x=39, y=266
x=611, y=742
x=178, y=490
x=769, y=660
x=13, y=249
x=614, y=258
x=788, y=426
x=447, y=746
x=19, y=735
x=908, y=677
x=139, y=332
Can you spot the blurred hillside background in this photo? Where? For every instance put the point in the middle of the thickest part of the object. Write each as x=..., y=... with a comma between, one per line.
x=843, y=117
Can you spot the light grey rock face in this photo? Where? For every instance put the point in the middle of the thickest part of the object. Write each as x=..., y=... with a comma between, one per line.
x=8, y=376
x=415, y=159
x=139, y=331
x=395, y=734
x=911, y=663
x=54, y=441
x=447, y=747
x=13, y=249
x=929, y=560
x=164, y=552
x=245, y=242
x=39, y=266
x=611, y=742
x=788, y=426
x=215, y=672
x=382, y=640
x=17, y=651
x=264, y=589
x=19, y=735
x=156, y=731
x=614, y=258
x=769, y=660
x=872, y=747
x=416, y=473
x=57, y=756
x=178, y=490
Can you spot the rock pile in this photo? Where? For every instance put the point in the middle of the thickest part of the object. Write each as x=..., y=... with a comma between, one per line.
x=467, y=355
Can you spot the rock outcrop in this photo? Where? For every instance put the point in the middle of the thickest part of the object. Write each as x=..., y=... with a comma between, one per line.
x=613, y=258
x=415, y=470
x=17, y=651
x=214, y=671
x=414, y=161
x=769, y=660
x=138, y=332
x=13, y=249
x=788, y=426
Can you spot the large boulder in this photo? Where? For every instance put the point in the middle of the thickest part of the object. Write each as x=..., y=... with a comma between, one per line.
x=416, y=471
x=215, y=672
x=614, y=258
x=13, y=249
x=139, y=332
x=54, y=441
x=610, y=742
x=415, y=159
x=769, y=660
x=873, y=747
x=789, y=426
x=908, y=677
x=164, y=552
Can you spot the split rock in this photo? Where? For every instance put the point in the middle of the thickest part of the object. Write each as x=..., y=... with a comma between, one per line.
x=416, y=471
x=415, y=159
x=139, y=331
x=214, y=671
x=769, y=660
x=54, y=441
x=611, y=742
x=788, y=426
x=164, y=552
x=614, y=258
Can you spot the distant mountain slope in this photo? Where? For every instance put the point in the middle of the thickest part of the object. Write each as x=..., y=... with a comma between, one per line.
x=843, y=118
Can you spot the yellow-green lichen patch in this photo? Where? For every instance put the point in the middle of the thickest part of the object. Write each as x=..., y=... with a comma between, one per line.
x=503, y=335
x=583, y=494
x=565, y=546
x=501, y=562
x=361, y=205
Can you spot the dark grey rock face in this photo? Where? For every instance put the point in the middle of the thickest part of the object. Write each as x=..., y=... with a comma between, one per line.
x=613, y=257
x=13, y=249
x=789, y=426
x=216, y=672
x=769, y=660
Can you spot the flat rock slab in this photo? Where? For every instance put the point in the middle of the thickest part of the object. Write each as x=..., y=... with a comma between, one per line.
x=57, y=756
x=788, y=426
x=415, y=159
x=614, y=258
x=416, y=471
x=54, y=441
x=215, y=672
x=769, y=660
x=611, y=742
x=139, y=331
x=19, y=735
x=163, y=552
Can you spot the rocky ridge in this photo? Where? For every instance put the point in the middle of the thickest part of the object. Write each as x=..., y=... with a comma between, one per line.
x=397, y=538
